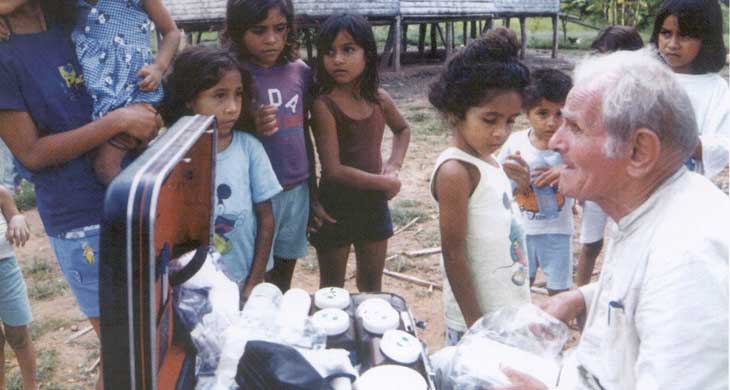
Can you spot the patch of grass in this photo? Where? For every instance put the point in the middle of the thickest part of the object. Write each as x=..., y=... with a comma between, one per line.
x=418, y=117
x=13, y=380
x=43, y=282
x=40, y=328
x=401, y=215
x=400, y=264
x=45, y=289
x=25, y=196
x=47, y=361
x=39, y=267
x=407, y=203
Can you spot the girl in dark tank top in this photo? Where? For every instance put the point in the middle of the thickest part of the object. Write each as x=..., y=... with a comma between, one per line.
x=349, y=118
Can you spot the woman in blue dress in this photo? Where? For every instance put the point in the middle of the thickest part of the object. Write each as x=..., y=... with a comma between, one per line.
x=46, y=122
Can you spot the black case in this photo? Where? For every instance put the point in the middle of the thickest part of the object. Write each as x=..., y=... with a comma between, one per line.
x=158, y=208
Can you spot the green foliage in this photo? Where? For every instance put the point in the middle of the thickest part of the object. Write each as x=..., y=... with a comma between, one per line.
x=25, y=196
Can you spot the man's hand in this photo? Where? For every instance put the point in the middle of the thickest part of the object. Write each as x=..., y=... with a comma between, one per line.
x=517, y=169
x=151, y=75
x=265, y=120
x=565, y=306
x=18, y=231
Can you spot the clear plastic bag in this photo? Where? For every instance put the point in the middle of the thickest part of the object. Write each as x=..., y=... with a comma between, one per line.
x=520, y=337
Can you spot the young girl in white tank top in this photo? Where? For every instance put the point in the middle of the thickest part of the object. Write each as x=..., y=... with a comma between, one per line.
x=484, y=261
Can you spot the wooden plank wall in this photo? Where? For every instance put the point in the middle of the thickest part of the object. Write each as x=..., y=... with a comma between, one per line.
x=186, y=10
x=319, y=8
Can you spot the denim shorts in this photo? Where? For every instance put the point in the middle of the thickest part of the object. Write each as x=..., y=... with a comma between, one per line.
x=14, y=305
x=291, y=215
x=551, y=252
x=77, y=252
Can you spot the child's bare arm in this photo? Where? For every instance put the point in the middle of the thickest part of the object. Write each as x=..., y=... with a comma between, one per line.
x=262, y=246
x=325, y=135
x=453, y=187
x=22, y=137
x=171, y=36
x=18, y=231
x=401, y=134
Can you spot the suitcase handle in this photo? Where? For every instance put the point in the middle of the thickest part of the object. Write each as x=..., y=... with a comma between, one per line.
x=187, y=272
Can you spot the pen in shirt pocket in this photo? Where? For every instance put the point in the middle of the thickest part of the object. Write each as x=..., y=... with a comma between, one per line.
x=614, y=305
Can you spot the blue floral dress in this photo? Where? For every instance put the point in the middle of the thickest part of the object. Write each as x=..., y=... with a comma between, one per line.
x=112, y=39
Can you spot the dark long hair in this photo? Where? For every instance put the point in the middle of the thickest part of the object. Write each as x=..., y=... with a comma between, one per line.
x=480, y=71
x=700, y=19
x=614, y=38
x=194, y=70
x=359, y=28
x=242, y=15
x=60, y=12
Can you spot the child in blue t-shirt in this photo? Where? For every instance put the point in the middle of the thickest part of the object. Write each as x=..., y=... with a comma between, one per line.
x=112, y=40
x=545, y=213
x=211, y=82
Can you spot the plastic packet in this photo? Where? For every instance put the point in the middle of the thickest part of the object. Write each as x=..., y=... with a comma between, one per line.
x=520, y=337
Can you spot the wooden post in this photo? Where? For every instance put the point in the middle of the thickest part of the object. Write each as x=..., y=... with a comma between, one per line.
x=463, y=32
x=449, y=43
x=421, y=38
x=434, y=42
x=388, y=49
x=397, y=41
x=523, y=37
x=490, y=23
x=564, y=19
x=308, y=41
x=404, y=38
x=473, y=32
x=555, y=36
x=506, y=21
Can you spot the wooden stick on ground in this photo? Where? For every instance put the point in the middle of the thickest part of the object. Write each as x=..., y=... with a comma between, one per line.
x=94, y=365
x=406, y=226
x=79, y=334
x=423, y=252
x=412, y=279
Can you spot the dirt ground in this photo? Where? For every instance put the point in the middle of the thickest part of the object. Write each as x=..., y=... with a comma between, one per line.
x=65, y=364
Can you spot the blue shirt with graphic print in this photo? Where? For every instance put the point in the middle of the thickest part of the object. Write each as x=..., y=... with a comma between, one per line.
x=39, y=75
x=243, y=178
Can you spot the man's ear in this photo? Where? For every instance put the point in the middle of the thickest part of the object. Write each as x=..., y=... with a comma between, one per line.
x=645, y=149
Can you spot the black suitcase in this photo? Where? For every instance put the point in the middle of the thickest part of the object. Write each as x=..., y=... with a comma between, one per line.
x=158, y=208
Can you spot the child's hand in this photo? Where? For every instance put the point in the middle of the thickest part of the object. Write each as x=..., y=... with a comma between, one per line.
x=319, y=216
x=517, y=169
x=140, y=120
x=265, y=120
x=393, y=184
x=18, y=231
x=151, y=75
x=546, y=176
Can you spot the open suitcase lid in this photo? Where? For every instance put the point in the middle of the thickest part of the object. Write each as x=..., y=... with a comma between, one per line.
x=159, y=207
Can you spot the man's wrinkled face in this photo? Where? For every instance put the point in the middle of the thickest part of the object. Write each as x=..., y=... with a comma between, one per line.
x=583, y=143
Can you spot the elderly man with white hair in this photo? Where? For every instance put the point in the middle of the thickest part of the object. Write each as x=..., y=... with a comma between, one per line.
x=658, y=316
